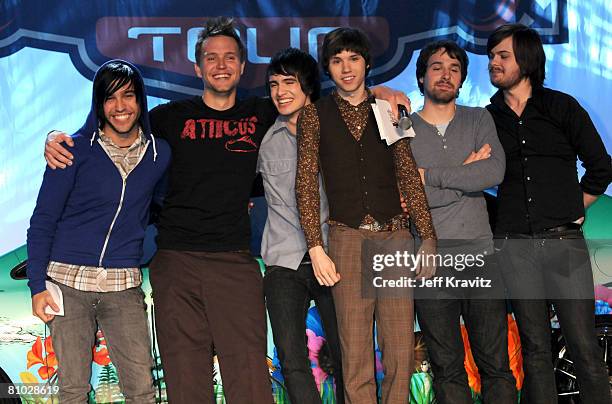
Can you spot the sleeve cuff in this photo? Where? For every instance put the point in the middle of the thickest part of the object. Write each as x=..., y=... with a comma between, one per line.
x=315, y=243
x=37, y=286
x=588, y=189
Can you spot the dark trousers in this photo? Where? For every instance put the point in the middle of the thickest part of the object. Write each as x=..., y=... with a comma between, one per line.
x=486, y=323
x=557, y=265
x=487, y=327
x=206, y=303
x=288, y=295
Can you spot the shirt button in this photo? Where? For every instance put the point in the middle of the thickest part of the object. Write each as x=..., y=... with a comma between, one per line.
x=363, y=177
x=359, y=127
x=529, y=199
x=525, y=159
x=356, y=109
x=520, y=122
x=522, y=141
x=360, y=144
x=528, y=178
x=366, y=192
x=445, y=146
x=444, y=140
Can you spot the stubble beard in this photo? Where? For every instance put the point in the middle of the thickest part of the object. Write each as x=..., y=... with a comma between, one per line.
x=441, y=97
x=508, y=83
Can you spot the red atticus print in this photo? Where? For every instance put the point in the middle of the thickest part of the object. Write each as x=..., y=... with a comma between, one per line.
x=239, y=132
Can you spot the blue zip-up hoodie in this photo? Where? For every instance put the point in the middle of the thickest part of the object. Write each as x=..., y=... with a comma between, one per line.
x=86, y=214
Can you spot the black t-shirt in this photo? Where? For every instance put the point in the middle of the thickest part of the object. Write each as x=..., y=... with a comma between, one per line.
x=214, y=154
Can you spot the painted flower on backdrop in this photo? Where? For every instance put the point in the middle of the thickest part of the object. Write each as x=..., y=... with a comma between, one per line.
x=315, y=343
x=275, y=366
x=514, y=353
x=47, y=359
x=100, y=350
x=316, y=340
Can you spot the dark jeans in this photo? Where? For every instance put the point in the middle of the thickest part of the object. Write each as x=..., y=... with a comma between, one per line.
x=288, y=294
x=487, y=326
x=563, y=273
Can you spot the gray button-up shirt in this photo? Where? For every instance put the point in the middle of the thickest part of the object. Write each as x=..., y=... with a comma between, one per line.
x=283, y=241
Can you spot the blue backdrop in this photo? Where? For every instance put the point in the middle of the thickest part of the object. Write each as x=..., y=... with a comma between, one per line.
x=50, y=49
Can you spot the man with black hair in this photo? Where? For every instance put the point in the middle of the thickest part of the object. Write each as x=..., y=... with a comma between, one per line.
x=541, y=206
x=459, y=156
x=87, y=232
x=290, y=284
x=338, y=136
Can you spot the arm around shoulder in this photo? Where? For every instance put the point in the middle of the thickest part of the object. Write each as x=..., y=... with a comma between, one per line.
x=56, y=152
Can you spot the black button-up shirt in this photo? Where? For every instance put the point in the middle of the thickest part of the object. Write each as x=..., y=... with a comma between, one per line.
x=540, y=188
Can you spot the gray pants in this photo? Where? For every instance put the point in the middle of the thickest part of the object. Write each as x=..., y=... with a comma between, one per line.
x=122, y=318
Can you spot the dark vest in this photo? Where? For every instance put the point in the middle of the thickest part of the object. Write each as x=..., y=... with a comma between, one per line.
x=359, y=176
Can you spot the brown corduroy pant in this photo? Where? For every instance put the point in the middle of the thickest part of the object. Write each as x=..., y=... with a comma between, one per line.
x=355, y=314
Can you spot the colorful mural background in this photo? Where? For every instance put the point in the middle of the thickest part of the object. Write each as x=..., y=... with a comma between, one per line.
x=49, y=50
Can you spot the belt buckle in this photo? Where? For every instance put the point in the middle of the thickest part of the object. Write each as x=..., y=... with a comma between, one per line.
x=371, y=226
x=365, y=226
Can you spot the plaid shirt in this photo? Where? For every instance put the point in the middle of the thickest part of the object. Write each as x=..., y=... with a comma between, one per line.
x=97, y=279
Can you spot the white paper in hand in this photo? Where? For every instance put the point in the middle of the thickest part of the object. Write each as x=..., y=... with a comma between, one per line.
x=56, y=294
x=384, y=119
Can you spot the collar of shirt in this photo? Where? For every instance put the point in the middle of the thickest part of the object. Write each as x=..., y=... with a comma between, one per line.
x=277, y=133
x=278, y=143
x=141, y=140
x=355, y=116
x=280, y=125
x=498, y=99
x=345, y=104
